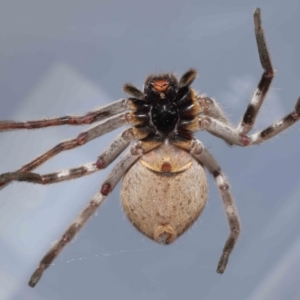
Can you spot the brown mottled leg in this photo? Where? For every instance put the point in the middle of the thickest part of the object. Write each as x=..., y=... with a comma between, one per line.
x=91, y=117
x=84, y=137
x=107, y=157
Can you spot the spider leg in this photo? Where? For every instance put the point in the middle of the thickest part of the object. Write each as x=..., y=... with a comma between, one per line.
x=276, y=128
x=106, y=126
x=230, y=135
x=203, y=156
x=107, y=157
x=91, y=117
x=212, y=109
x=135, y=152
x=187, y=78
x=223, y=131
x=259, y=95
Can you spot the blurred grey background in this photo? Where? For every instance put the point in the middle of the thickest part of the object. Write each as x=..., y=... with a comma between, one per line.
x=59, y=57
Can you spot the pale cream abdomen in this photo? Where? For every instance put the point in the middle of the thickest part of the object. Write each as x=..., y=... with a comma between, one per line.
x=162, y=205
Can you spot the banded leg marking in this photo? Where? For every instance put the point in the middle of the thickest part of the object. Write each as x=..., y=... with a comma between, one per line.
x=260, y=93
x=204, y=157
x=230, y=135
x=277, y=127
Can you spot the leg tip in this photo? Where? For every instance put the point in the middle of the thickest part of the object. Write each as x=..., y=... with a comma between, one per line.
x=257, y=11
x=297, y=106
x=36, y=276
x=257, y=18
x=222, y=263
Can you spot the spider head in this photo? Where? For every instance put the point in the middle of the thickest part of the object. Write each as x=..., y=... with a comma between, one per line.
x=161, y=88
x=166, y=88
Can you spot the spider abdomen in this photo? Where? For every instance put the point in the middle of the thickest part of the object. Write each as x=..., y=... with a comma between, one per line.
x=158, y=195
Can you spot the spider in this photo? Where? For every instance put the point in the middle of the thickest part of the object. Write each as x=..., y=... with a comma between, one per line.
x=164, y=188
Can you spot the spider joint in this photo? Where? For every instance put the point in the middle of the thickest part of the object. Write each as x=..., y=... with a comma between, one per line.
x=197, y=148
x=245, y=140
x=82, y=138
x=137, y=149
x=128, y=134
x=204, y=122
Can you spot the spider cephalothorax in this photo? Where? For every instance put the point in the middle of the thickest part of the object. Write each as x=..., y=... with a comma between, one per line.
x=168, y=108
x=164, y=184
